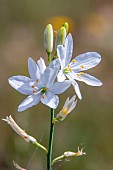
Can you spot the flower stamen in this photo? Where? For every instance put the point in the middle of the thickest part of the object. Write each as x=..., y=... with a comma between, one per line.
x=81, y=73
x=67, y=70
x=82, y=66
x=70, y=69
x=64, y=111
x=34, y=91
x=43, y=96
x=37, y=81
x=33, y=86
x=73, y=60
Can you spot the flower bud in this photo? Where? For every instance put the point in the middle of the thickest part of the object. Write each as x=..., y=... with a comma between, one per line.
x=61, y=36
x=48, y=38
x=66, y=26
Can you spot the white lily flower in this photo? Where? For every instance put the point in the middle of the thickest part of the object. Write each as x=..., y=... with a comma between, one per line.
x=70, y=154
x=41, y=85
x=18, y=130
x=73, y=70
x=67, y=108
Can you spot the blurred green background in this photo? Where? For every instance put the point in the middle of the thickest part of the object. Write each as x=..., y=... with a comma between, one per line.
x=90, y=125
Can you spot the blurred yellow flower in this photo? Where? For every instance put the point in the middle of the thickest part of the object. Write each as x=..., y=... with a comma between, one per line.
x=58, y=21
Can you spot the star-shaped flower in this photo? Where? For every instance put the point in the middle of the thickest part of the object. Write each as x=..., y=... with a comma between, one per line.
x=73, y=70
x=41, y=85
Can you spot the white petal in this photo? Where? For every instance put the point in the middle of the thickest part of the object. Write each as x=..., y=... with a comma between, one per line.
x=73, y=106
x=60, y=87
x=54, y=64
x=29, y=102
x=77, y=89
x=50, y=73
x=41, y=65
x=61, y=52
x=66, y=102
x=75, y=85
x=61, y=76
x=50, y=100
x=22, y=84
x=33, y=69
x=68, y=48
x=85, y=61
x=88, y=79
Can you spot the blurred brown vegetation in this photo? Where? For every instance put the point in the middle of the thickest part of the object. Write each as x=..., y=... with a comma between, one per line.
x=90, y=125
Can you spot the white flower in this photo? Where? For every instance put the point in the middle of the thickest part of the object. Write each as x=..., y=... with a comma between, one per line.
x=67, y=108
x=41, y=85
x=18, y=130
x=74, y=69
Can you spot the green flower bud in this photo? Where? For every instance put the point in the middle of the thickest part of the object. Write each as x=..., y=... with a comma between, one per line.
x=48, y=38
x=66, y=26
x=61, y=36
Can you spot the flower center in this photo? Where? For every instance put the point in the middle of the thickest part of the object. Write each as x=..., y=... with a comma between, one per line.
x=67, y=69
x=43, y=90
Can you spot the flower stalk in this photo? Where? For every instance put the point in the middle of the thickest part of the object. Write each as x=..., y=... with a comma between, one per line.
x=49, y=155
x=41, y=147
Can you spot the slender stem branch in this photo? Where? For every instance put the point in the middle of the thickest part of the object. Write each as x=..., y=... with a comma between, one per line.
x=49, y=155
x=41, y=147
x=58, y=159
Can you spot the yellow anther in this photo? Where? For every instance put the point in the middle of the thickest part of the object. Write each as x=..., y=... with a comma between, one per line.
x=64, y=111
x=43, y=96
x=33, y=86
x=68, y=65
x=70, y=69
x=82, y=66
x=78, y=74
x=34, y=91
x=37, y=81
x=81, y=73
x=73, y=60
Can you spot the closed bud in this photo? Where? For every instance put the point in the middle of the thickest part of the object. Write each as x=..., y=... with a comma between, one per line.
x=61, y=36
x=66, y=26
x=48, y=38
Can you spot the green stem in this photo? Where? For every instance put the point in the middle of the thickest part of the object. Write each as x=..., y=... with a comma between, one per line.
x=49, y=155
x=41, y=147
x=58, y=159
x=49, y=57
